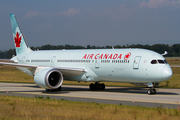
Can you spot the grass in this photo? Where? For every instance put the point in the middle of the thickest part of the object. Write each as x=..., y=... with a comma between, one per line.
x=11, y=74
x=38, y=108
x=173, y=61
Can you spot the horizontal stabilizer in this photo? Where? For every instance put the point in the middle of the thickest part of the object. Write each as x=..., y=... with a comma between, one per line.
x=7, y=60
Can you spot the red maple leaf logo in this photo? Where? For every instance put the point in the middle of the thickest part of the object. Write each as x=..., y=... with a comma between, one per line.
x=17, y=39
x=127, y=56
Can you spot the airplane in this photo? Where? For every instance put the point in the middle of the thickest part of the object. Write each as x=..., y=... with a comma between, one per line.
x=50, y=67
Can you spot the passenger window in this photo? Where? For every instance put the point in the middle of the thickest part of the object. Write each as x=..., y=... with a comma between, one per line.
x=161, y=62
x=153, y=62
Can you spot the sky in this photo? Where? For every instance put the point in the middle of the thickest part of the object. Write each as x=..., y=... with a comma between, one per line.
x=91, y=22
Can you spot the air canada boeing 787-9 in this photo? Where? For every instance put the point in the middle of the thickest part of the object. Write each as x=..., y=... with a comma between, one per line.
x=50, y=67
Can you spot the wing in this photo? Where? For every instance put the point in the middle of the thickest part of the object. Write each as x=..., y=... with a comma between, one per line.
x=67, y=71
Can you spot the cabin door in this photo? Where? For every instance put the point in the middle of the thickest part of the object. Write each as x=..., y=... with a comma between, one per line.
x=24, y=59
x=136, y=62
x=53, y=61
x=97, y=62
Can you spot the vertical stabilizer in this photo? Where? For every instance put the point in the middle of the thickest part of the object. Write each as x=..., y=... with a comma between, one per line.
x=19, y=40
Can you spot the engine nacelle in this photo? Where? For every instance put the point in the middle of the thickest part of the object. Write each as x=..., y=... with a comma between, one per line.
x=49, y=78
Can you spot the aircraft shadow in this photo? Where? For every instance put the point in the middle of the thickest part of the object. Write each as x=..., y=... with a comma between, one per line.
x=34, y=91
x=136, y=90
x=35, y=86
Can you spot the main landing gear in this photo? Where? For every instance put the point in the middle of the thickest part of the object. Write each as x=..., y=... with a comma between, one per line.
x=97, y=86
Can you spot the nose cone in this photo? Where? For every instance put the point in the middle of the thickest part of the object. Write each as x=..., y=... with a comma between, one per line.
x=166, y=73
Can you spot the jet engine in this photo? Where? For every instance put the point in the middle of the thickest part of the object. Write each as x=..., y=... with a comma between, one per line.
x=49, y=78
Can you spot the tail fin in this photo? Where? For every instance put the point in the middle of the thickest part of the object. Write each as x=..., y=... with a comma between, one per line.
x=19, y=40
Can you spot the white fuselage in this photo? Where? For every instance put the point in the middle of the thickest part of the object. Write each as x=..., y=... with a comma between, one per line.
x=113, y=65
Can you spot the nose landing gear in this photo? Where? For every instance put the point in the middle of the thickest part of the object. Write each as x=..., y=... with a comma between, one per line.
x=151, y=91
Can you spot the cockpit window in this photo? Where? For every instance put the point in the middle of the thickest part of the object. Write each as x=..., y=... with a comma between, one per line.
x=154, y=62
x=161, y=62
x=165, y=61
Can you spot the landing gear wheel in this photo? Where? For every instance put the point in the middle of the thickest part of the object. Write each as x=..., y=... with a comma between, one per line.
x=97, y=86
x=47, y=90
x=151, y=91
x=91, y=86
x=154, y=91
x=102, y=86
x=58, y=89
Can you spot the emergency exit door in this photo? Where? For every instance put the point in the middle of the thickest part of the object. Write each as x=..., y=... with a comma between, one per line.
x=53, y=61
x=136, y=62
x=97, y=63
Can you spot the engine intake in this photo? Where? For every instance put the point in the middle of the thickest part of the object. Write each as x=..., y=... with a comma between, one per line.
x=49, y=78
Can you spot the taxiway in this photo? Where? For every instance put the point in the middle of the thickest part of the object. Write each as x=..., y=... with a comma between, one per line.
x=135, y=96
